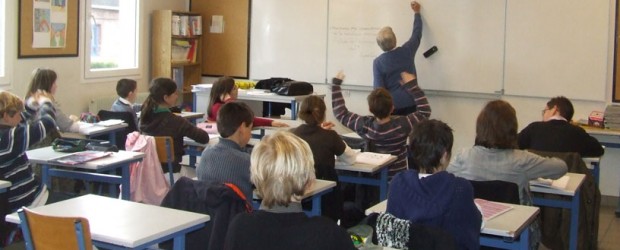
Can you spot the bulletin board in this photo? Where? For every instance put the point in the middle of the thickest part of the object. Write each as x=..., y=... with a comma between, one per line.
x=225, y=52
x=26, y=28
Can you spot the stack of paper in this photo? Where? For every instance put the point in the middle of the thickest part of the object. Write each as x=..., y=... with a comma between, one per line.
x=612, y=117
x=372, y=158
x=560, y=183
x=110, y=122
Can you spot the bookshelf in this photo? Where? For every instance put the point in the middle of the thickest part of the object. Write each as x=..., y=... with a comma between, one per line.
x=176, y=50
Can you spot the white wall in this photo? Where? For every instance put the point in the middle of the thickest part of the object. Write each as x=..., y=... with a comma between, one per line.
x=73, y=93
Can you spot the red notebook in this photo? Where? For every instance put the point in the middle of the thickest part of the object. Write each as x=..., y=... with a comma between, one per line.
x=490, y=209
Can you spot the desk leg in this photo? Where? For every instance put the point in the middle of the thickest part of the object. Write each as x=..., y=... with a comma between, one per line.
x=618, y=209
x=524, y=239
x=316, y=206
x=383, y=184
x=112, y=137
x=574, y=221
x=45, y=177
x=179, y=242
x=293, y=110
x=125, y=184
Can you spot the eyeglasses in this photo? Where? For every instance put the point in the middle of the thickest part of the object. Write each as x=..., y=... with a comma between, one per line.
x=544, y=110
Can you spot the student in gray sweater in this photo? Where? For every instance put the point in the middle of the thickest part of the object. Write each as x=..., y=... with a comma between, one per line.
x=227, y=161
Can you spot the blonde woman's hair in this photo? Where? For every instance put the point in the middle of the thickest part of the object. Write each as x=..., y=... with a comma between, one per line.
x=386, y=39
x=10, y=104
x=282, y=166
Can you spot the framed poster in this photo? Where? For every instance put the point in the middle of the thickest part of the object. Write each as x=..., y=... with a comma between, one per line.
x=48, y=28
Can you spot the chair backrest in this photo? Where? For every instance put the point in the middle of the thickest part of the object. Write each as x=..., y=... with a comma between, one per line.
x=500, y=191
x=127, y=117
x=43, y=232
x=165, y=153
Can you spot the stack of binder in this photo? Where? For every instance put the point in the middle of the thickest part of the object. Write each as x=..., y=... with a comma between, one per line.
x=612, y=117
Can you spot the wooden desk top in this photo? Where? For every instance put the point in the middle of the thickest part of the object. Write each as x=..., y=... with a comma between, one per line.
x=317, y=187
x=90, y=129
x=44, y=155
x=574, y=183
x=600, y=131
x=508, y=224
x=190, y=115
x=120, y=222
x=251, y=95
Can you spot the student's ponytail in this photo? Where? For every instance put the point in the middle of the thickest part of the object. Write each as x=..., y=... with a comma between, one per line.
x=160, y=87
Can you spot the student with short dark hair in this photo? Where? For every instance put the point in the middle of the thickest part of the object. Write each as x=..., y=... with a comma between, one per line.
x=555, y=133
x=388, y=134
x=438, y=199
x=228, y=161
x=156, y=119
x=282, y=168
x=126, y=90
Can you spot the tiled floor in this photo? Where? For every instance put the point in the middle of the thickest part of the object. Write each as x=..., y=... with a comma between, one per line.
x=608, y=229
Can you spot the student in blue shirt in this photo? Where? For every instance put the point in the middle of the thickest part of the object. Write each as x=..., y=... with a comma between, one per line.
x=126, y=90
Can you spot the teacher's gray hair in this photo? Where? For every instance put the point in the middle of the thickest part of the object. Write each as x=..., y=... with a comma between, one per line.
x=386, y=39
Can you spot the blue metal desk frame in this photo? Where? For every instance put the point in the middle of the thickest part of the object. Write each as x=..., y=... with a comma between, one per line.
x=572, y=205
x=522, y=243
x=381, y=182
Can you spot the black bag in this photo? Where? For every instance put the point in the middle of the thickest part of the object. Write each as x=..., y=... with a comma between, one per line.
x=68, y=145
x=293, y=88
x=271, y=83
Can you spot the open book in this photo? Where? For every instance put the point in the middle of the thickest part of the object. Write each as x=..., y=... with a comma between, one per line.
x=372, y=158
x=80, y=157
x=560, y=183
x=490, y=209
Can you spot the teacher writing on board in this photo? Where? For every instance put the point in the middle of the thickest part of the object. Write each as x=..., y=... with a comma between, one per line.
x=394, y=60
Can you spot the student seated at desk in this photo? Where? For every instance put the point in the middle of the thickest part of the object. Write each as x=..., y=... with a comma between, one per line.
x=15, y=138
x=224, y=90
x=387, y=133
x=45, y=80
x=156, y=119
x=495, y=156
x=228, y=161
x=282, y=168
x=126, y=90
x=555, y=133
x=440, y=199
x=325, y=144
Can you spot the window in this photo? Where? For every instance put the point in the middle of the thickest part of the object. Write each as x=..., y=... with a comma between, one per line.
x=112, y=38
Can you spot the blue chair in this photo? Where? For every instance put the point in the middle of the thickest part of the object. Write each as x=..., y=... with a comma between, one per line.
x=44, y=232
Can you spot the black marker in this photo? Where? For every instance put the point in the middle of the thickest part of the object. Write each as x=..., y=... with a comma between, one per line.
x=430, y=51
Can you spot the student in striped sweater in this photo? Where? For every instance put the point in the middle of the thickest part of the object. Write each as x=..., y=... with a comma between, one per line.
x=15, y=138
x=387, y=134
x=228, y=161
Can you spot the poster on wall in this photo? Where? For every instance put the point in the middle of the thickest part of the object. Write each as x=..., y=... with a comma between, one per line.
x=49, y=23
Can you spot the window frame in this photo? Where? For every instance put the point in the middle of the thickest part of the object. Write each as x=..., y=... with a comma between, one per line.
x=90, y=75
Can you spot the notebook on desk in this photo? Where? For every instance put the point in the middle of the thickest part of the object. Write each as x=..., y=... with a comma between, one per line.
x=371, y=158
x=80, y=157
x=490, y=209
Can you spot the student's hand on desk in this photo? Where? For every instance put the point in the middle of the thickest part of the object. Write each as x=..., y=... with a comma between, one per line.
x=327, y=125
x=278, y=124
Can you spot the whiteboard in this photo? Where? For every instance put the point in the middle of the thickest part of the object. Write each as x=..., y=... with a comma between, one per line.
x=468, y=33
x=557, y=47
x=288, y=39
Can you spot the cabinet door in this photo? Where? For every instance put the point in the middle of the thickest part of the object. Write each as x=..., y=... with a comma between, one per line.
x=224, y=53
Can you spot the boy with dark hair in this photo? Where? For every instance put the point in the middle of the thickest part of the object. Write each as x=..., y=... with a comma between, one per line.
x=438, y=199
x=555, y=133
x=227, y=161
x=126, y=90
x=387, y=134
